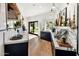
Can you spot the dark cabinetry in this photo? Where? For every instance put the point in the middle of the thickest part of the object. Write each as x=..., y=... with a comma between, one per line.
x=64, y=53
x=45, y=35
x=18, y=49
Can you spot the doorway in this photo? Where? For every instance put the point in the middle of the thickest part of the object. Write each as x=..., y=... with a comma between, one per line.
x=33, y=27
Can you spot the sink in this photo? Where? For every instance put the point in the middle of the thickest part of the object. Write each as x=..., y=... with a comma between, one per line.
x=61, y=44
x=17, y=37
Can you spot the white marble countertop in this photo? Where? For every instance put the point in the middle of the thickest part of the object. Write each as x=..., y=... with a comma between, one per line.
x=11, y=33
x=58, y=47
x=31, y=36
x=72, y=41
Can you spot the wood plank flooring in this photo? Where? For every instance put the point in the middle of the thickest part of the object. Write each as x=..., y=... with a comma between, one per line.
x=40, y=47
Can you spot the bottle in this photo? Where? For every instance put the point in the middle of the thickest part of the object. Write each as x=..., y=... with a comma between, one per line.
x=70, y=23
x=61, y=19
x=74, y=22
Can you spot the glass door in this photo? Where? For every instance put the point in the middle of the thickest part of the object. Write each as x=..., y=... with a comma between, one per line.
x=33, y=27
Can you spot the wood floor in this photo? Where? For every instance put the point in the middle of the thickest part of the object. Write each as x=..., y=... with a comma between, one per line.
x=40, y=47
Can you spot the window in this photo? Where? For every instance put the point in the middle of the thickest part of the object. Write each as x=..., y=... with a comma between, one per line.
x=33, y=27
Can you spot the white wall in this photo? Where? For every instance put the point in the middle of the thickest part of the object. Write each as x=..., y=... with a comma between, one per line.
x=2, y=16
x=26, y=26
x=2, y=26
x=1, y=44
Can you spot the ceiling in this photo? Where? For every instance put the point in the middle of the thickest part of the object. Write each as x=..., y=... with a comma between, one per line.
x=32, y=9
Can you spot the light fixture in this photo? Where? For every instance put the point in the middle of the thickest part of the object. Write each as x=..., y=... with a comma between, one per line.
x=37, y=5
x=67, y=4
x=53, y=7
x=34, y=4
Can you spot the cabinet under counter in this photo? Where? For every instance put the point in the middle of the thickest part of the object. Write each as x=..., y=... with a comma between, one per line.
x=64, y=50
x=17, y=49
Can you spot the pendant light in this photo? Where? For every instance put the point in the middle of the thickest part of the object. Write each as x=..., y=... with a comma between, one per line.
x=53, y=9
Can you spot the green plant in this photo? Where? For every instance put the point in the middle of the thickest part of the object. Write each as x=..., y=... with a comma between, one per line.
x=17, y=24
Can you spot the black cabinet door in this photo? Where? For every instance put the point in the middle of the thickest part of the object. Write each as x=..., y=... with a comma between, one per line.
x=45, y=36
x=19, y=49
x=64, y=53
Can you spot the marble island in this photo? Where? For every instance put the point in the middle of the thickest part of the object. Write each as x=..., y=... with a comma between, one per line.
x=72, y=39
x=11, y=33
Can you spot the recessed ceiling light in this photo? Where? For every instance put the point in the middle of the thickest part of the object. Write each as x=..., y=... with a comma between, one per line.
x=53, y=7
x=34, y=4
x=67, y=3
